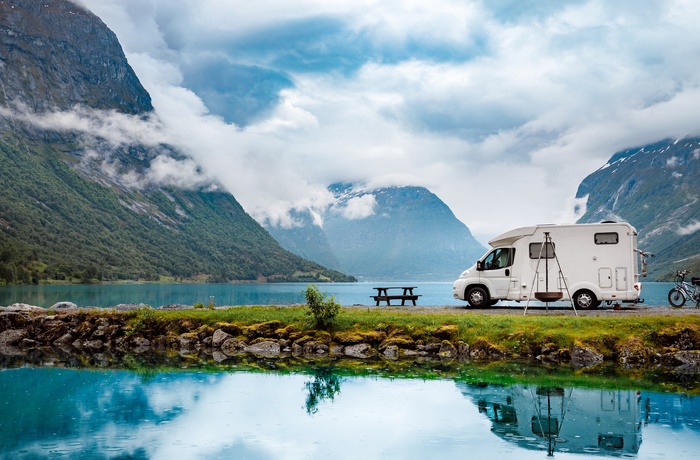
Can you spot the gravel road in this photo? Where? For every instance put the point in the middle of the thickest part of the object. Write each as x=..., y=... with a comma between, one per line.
x=515, y=309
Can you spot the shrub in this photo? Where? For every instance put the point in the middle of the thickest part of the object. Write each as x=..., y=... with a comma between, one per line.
x=322, y=309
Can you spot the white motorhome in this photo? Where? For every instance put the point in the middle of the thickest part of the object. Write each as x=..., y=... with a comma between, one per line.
x=586, y=263
x=568, y=420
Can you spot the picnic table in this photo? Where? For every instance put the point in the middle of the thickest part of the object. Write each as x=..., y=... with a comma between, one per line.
x=384, y=296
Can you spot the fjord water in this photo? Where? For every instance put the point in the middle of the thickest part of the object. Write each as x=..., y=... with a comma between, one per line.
x=107, y=295
x=116, y=414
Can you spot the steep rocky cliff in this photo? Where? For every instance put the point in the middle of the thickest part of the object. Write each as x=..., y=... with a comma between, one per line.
x=55, y=54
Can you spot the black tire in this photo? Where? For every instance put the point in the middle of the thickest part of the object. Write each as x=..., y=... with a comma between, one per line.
x=586, y=300
x=676, y=298
x=478, y=297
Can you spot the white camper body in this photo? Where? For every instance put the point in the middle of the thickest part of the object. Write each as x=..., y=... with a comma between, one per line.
x=575, y=421
x=591, y=263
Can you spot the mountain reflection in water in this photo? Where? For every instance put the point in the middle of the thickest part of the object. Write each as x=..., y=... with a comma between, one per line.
x=112, y=414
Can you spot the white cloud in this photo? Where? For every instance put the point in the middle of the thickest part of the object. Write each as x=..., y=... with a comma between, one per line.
x=500, y=112
x=689, y=229
x=359, y=207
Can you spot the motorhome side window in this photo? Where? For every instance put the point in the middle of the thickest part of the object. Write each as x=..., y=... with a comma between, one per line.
x=536, y=249
x=606, y=238
x=499, y=258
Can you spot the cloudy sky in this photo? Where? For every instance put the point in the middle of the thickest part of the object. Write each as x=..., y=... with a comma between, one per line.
x=500, y=107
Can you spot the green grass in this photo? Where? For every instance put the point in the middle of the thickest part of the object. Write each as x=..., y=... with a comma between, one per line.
x=513, y=333
x=509, y=331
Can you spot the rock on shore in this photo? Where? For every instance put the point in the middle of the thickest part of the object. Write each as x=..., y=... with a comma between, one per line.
x=136, y=330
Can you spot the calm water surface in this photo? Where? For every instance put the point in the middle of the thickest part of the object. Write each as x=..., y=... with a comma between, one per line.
x=82, y=414
x=106, y=295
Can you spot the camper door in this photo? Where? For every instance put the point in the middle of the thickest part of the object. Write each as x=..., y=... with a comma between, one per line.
x=496, y=268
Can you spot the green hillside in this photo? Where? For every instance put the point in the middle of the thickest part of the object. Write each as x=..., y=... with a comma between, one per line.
x=56, y=224
x=63, y=214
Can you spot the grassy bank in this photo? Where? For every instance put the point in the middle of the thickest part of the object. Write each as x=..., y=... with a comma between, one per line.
x=515, y=334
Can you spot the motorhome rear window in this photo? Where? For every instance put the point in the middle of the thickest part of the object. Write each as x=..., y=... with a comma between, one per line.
x=536, y=248
x=606, y=238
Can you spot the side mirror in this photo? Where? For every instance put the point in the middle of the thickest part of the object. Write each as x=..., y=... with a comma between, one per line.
x=479, y=266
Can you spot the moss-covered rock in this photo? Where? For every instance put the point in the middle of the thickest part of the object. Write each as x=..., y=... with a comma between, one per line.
x=189, y=341
x=402, y=341
x=360, y=350
x=583, y=355
x=447, y=350
x=446, y=332
x=233, y=346
x=348, y=338
x=284, y=332
x=232, y=329
x=679, y=336
x=374, y=337
x=264, y=347
x=323, y=337
x=482, y=349
x=302, y=340
x=633, y=351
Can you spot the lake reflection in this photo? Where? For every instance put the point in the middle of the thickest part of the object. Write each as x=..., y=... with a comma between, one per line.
x=63, y=413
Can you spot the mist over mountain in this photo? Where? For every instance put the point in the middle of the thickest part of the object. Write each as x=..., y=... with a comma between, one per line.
x=656, y=189
x=90, y=189
x=391, y=233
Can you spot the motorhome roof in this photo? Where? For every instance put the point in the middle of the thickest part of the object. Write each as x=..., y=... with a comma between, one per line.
x=511, y=236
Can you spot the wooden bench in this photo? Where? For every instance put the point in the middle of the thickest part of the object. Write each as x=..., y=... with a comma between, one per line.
x=384, y=296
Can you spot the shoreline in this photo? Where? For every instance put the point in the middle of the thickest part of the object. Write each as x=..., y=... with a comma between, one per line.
x=635, y=338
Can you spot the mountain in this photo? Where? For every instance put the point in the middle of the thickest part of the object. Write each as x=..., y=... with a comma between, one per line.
x=656, y=189
x=82, y=203
x=392, y=233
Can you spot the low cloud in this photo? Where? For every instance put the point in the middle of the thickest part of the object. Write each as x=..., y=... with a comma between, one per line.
x=689, y=229
x=359, y=207
x=106, y=132
x=459, y=96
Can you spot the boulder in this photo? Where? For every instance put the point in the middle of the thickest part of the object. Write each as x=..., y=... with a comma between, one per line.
x=130, y=306
x=24, y=307
x=63, y=306
x=447, y=350
x=266, y=329
x=219, y=338
x=12, y=336
x=583, y=356
x=462, y=349
x=314, y=347
x=188, y=341
x=447, y=332
x=264, y=348
x=360, y=350
x=391, y=352
x=348, y=338
x=401, y=341
x=485, y=350
x=140, y=344
x=13, y=320
x=175, y=306
x=63, y=340
x=233, y=346
x=688, y=358
x=632, y=351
